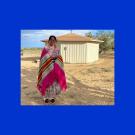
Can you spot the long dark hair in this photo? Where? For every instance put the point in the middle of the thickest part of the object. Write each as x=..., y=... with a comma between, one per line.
x=52, y=36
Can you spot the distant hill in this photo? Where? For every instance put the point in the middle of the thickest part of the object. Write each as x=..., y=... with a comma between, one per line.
x=33, y=48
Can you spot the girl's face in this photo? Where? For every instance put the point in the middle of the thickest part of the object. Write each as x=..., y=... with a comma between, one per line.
x=52, y=41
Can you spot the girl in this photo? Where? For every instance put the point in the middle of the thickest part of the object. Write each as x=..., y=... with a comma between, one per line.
x=51, y=75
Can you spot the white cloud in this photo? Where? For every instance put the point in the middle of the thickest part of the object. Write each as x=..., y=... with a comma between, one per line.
x=46, y=33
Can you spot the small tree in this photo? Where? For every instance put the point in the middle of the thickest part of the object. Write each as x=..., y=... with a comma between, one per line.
x=89, y=35
x=108, y=38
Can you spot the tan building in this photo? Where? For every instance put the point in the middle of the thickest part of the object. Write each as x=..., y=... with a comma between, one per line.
x=78, y=49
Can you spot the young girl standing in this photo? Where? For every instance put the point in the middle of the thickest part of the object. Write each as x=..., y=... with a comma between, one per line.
x=51, y=76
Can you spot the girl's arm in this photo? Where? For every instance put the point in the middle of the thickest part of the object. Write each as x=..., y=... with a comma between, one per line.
x=43, y=52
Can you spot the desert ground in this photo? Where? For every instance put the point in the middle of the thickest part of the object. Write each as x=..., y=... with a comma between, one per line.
x=88, y=84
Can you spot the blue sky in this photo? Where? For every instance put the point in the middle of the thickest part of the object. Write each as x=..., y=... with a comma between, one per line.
x=32, y=38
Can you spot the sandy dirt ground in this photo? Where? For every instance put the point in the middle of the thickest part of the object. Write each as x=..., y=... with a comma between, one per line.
x=88, y=84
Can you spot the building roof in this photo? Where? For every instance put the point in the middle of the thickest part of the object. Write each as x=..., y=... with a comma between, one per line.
x=74, y=38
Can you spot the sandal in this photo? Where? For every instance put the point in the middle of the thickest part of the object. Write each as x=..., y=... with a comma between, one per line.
x=46, y=100
x=52, y=100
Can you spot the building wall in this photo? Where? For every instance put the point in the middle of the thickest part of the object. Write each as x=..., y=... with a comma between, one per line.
x=79, y=52
x=92, y=52
x=75, y=52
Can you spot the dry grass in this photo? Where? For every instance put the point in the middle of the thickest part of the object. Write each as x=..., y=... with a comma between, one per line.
x=88, y=84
